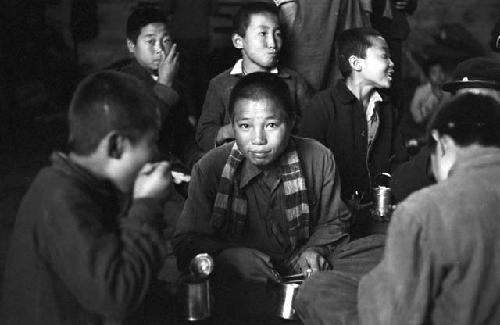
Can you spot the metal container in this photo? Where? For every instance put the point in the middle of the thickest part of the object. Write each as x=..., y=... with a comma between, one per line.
x=196, y=298
x=195, y=288
x=284, y=293
x=382, y=201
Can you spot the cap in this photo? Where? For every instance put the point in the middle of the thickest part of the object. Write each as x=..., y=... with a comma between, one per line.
x=479, y=72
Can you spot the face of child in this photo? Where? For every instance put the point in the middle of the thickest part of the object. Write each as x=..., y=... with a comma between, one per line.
x=261, y=130
x=133, y=158
x=377, y=66
x=261, y=44
x=437, y=76
x=153, y=43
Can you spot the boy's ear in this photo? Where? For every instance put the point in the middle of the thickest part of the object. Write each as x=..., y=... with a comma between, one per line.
x=355, y=63
x=130, y=46
x=115, y=145
x=237, y=41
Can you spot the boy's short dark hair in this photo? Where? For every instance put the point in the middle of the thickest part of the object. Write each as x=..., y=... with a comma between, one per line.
x=259, y=85
x=110, y=101
x=241, y=19
x=141, y=17
x=353, y=41
x=468, y=119
x=432, y=62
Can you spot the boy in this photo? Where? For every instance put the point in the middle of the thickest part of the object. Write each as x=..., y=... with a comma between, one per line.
x=156, y=64
x=256, y=33
x=87, y=244
x=429, y=96
x=442, y=261
x=353, y=119
x=479, y=75
x=266, y=204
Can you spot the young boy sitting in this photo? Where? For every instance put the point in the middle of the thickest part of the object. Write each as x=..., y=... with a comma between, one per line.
x=256, y=33
x=353, y=119
x=429, y=96
x=88, y=240
x=156, y=64
x=265, y=204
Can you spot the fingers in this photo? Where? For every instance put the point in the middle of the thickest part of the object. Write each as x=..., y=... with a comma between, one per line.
x=173, y=54
x=266, y=259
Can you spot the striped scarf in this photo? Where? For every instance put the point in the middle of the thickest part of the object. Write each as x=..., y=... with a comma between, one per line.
x=230, y=207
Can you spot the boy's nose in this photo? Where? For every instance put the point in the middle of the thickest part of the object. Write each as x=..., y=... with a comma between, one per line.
x=272, y=41
x=259, y=137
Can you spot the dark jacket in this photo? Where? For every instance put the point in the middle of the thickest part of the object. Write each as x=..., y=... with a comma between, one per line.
x=329, y=215
x=336, y=118
x=80, y=253
x=177, y=135
x=215, y=113
x=397, y=27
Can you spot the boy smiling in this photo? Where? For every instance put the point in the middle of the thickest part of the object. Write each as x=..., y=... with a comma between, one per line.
x=354, y=119
x=268, y=202
x=257, y=34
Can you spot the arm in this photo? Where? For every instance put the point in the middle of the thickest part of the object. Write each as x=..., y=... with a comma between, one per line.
x=416, y=104
x=194, y=233
x=333, y=217
x=108, y=272
x=211, y=119
x=398, y=290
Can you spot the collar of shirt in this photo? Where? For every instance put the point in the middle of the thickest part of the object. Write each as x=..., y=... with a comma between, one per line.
x=238, y=68
x=370, y=109
x=249, y=172
x=155, y=77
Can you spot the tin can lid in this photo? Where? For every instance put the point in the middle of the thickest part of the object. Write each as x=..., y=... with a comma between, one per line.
x=201, y=265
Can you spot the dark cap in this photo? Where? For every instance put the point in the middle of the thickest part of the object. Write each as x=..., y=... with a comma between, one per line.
x=479, y=72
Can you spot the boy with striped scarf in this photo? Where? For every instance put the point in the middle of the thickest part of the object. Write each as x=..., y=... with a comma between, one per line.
x=266, y=204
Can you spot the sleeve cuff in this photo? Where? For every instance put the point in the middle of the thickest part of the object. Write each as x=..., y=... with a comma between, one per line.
x=280, y=2
x=167, y=95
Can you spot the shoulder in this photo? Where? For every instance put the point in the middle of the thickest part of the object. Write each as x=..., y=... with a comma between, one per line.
x=214, y=160
x=223, y=77
x=313, y=152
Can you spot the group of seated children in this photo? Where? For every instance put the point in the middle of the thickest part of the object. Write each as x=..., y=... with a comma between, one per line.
x=89, y=238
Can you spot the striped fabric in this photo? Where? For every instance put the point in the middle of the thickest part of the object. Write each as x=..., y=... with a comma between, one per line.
x=230, y=207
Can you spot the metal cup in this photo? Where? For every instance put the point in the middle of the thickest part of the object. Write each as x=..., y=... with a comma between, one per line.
x=196, y=298
x=284, y=293
x=382, y=201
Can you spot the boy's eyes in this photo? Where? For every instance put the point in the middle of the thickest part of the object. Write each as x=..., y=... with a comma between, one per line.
x=243, y=125
x=272, y=125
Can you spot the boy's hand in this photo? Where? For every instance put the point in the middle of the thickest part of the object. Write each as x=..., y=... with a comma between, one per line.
x=169, y=66
x=251, y=264
x=310, y=260
x=153, y=181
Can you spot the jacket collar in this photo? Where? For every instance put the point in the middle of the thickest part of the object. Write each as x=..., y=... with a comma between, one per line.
x=346, y=96
x=476, y=158
x=238, y=70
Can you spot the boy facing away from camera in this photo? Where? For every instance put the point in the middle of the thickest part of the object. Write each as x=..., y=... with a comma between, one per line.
x=257, y=34
x=88, y=239
x=354, y=119
x=156, y=63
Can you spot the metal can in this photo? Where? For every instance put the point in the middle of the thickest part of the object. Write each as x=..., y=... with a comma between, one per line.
x=382, y=201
